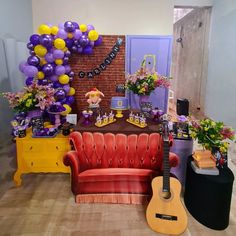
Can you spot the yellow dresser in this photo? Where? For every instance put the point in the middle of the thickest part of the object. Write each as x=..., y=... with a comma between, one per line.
x=40, y=155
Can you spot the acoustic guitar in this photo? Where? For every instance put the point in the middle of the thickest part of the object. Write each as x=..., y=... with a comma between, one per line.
x=165, y=213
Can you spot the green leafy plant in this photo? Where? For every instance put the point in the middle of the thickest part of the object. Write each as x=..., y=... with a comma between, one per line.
x=144, y=81
x=211, y=134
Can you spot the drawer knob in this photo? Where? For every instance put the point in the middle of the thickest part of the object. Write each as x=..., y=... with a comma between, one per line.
x=57, y=163
x=57, y=147
x=31, y=148
x=32, y=163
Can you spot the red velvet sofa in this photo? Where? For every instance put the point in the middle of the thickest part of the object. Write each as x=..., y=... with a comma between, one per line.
x=114, y=168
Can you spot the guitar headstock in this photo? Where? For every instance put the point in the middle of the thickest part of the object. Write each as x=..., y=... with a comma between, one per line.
x=165, y=126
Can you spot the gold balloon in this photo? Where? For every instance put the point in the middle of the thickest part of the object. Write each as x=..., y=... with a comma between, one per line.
x=83, y=28
x=40, y=50
x=54, y=30
x=93, y=35
x=67, y=111
x=59, y=43
x=71, y=91
x=64, y=79
x=44, y=29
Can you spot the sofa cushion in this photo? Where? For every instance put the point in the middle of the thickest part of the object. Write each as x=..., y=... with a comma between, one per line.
x=116, y=180
x=117, y=174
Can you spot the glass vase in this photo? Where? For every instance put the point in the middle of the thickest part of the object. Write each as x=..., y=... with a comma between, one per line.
x=145, y=105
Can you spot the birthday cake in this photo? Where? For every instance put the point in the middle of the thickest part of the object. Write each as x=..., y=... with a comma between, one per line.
x=119, y=103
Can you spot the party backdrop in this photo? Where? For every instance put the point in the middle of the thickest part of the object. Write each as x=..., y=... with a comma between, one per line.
x=106, y=81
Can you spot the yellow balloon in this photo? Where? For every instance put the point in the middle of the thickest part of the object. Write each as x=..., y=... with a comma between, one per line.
x=71, y=91
x=59, y=43
x=67, y=111
x=93, y=35
x=54, y=30
x=42, y=62
x=59, y=61
x=70, y=35
x=64, y=49
x=83, y=28
x=40, y=50
x=40, y=75
x=64, y=79
x=44, y=29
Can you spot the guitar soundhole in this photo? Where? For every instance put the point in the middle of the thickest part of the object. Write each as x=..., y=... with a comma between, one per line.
x=166, y=195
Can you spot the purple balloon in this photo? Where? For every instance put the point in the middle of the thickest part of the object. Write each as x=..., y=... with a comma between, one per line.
x=67, y=68
x=62, y=33
x=68, y=53
x=88, y=50
x=57, y=84
x=60, y=70
x=83, y=40
x=71, y=79
x=42, y=82
x=69, y=26
x=66, y=88
x=48, y=69
x=80, y=49
x=98, y=41
x=33, y=60
x=53, y=78
x=49, y=57
x=69, y=42
x=71, y=74
x=70, y=100
x=46, y=40
x=77, y=34
x=76, y=25
x=30, y=46
x=74, y=48
x=30, y=71
x=61, y=25
x=91, y=43
x=29, y=81
x=90, y=27
x=65, y=60
x=34, y=39
x=60, y=94
x=22, y=66
x=32, y=52
x=58, y=54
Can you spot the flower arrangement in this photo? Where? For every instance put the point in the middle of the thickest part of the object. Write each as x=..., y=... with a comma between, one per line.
x=211, y=134
x=34, y=96
x=144, y=81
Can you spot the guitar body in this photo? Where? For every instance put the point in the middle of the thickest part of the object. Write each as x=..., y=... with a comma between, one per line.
x=166, y=215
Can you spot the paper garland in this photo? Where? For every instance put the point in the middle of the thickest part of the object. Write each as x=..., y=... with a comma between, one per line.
x=107, y=61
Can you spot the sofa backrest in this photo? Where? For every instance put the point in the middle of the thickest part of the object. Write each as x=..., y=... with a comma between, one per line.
x=98, y=150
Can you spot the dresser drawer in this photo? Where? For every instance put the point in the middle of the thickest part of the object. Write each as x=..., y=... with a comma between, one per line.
x=32, y=146
x=59, y=146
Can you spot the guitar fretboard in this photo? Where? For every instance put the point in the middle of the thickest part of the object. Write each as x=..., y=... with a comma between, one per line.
x=166, y=167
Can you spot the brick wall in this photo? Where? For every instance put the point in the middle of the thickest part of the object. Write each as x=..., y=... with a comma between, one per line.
x=106, y=81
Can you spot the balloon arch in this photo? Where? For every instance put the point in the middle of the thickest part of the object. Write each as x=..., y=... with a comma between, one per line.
x=50, y=51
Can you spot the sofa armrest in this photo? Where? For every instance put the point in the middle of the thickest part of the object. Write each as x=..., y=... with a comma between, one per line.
x=174, y=159
x=71, y=159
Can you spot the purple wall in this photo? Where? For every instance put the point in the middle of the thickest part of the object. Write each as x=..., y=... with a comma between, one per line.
x=138, y=46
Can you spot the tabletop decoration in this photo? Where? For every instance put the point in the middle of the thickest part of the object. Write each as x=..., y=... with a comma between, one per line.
x=137, y=120
x=103, y=120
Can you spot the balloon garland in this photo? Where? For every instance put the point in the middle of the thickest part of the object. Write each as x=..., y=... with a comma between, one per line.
x=50, y=51
x=107, y=61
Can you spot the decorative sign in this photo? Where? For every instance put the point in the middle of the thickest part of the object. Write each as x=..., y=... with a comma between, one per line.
x=107, y=61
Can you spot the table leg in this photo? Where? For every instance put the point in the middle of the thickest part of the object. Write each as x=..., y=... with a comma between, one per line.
x=17, y=178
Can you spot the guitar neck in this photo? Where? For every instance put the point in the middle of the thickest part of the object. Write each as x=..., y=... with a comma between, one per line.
x=166, y=167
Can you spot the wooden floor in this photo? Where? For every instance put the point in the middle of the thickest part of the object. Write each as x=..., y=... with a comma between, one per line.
x=44, y=205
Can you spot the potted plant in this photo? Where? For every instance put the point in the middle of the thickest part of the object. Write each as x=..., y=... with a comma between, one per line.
x=213, y=136
x=33, y=98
